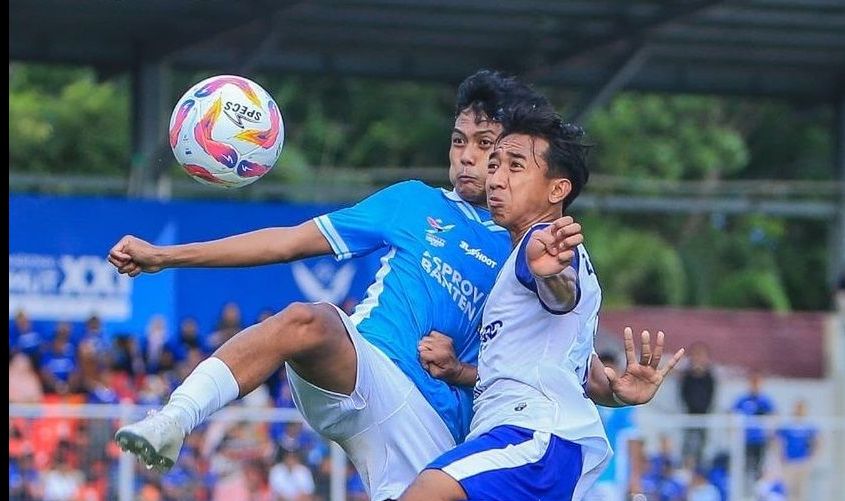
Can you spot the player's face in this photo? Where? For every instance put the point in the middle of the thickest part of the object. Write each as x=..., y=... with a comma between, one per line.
x=471, y=145
x=518, y=192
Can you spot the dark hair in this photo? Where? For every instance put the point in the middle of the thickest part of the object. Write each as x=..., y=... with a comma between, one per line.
x=566, y=156
x=490, y=94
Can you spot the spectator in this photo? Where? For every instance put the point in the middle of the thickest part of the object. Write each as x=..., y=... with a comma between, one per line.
x=126, y=355
x=290, y=480
x=188, y=338
x=23, y=338
x=621, y=478
x=153, y=391
x=155, y=340
x=96, y=336
x=322, y=480
x=663, y=484
x=355, y=490
x=95, y=377
x=62, y=482
x=294, y=437
x=770, y=489
x=58, y=363
x=798, y=446
x=24, y=385
x=701, y=489
x=247, y=484
x=753, y=405
x=27, y=478
x=697, y=389
x=16, y=484
x=228, y=325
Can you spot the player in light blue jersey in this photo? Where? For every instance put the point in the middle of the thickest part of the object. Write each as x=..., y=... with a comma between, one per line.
x=358, y=379
x=536, y=434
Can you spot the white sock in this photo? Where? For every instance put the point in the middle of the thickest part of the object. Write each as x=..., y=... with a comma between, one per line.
x=205, y=391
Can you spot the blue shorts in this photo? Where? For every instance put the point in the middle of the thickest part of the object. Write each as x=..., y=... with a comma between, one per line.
x=510, y=463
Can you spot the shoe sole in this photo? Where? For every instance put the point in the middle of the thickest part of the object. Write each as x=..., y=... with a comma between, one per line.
x=141, y=447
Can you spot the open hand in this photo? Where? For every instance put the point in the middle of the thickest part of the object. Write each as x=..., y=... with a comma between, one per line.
x=642, y=377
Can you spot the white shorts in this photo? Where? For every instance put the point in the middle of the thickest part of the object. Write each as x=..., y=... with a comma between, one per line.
x=387, y=428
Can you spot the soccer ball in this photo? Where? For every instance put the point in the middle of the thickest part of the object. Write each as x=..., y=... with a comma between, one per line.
x=226, y=131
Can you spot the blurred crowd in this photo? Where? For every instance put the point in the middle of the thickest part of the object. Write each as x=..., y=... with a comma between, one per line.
x=53, y=458
x=778, y=461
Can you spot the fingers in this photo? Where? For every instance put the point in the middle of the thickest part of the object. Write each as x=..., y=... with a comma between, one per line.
x=672, y=363
x=566, y=257
x=645, y=356
x=126, y=268
x=428, y=356
x=630, y=354
x=548, y=241
x=569, y=230
x=611, y=375
x=434, y=339
x=561, y=222
x=117, y=263
x=658, y=350
x=118, y=250
x=570, y=242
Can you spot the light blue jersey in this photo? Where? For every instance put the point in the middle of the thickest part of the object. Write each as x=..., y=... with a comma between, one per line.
x=443, y=255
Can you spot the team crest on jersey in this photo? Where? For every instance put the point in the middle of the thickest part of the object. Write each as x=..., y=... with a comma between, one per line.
x=436, y=227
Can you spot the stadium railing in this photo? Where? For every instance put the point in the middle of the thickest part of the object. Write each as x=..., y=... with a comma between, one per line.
x=126, y=478
x=38, y=431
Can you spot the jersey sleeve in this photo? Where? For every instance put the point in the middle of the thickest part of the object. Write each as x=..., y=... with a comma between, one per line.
x=363, y=228
x=526, y=278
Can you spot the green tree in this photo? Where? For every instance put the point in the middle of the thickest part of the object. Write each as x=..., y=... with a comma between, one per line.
x=64, y=121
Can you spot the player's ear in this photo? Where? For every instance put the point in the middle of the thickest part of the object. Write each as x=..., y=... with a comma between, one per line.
x=560, y=188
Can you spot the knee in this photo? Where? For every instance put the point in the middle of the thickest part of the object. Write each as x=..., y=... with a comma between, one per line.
x=305, y=321
x=297, y=315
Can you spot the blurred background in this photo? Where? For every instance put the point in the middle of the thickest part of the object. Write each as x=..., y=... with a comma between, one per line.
x=715, y=211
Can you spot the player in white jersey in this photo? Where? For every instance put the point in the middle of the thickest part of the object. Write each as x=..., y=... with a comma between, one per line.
x=536, y=434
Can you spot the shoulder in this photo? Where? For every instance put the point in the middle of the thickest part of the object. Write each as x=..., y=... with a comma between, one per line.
x=396, y=193
x=411, y=186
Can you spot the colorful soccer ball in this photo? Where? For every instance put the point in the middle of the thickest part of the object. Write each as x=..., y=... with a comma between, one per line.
x=226, y=131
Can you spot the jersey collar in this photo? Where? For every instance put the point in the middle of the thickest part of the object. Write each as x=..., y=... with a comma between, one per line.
x=482, y=216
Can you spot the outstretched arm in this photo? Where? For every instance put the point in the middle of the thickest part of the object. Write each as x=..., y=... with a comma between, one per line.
x=132, y=256
x=641, y=379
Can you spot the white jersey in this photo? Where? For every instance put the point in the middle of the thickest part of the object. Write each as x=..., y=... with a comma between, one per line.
x=534, y=361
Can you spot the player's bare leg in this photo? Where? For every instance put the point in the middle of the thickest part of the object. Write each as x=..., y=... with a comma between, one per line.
x=434, y=485
x=311, y=337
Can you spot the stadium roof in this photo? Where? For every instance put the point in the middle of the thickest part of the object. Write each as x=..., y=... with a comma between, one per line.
x=786, y=48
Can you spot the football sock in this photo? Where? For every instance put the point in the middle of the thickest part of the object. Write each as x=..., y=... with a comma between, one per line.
x=206, y=390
